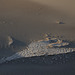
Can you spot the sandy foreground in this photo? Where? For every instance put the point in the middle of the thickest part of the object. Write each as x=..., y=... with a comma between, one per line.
x=27, y=20
x=46, y=65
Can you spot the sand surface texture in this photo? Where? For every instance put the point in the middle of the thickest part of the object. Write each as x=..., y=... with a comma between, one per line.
x=28, y=20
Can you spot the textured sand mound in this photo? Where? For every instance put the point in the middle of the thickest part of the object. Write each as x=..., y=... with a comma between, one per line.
x=37, y=49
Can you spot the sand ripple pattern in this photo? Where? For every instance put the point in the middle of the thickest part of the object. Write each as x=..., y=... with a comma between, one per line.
x=37, y=49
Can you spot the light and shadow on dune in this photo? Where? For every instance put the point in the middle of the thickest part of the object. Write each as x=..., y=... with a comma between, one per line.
x=25, y=21
x=24, y=18
x=15, y=46
x=37, y=48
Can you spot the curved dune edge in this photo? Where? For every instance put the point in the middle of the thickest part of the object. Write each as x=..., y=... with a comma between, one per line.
x=37, y=49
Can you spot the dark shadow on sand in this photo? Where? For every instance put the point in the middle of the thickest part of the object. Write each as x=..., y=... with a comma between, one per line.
x=13, y=48
x=44, y=59
x=71, y=44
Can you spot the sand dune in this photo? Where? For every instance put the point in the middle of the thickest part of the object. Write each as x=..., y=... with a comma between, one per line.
x=27, y=20
x=65, y=6
x=23, y=18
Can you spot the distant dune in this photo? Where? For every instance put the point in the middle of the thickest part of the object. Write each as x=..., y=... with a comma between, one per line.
x=27, y=20
x=66, y=6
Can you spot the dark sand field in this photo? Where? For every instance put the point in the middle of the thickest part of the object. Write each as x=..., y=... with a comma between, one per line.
x=27, y=20
x=45, y=65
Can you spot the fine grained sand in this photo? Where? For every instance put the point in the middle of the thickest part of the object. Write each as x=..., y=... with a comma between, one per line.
x=26, y=20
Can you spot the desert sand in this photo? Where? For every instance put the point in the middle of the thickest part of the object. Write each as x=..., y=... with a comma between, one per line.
x=23, y=18
x=27, y=20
